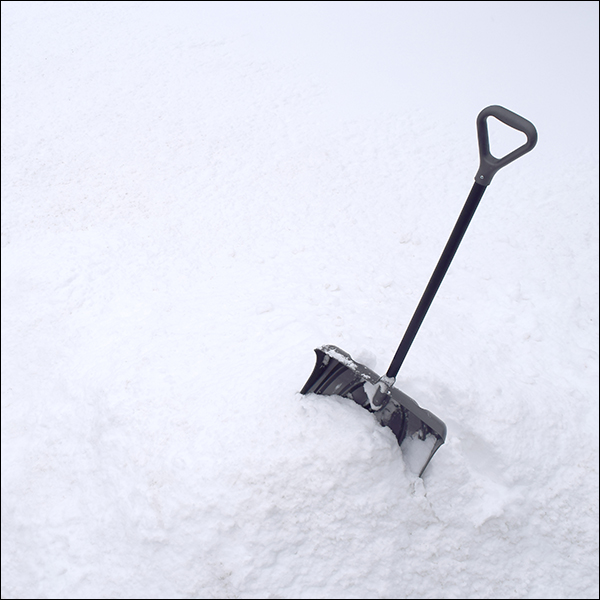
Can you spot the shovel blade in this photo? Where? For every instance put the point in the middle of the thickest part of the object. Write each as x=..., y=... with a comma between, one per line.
x=419, y=432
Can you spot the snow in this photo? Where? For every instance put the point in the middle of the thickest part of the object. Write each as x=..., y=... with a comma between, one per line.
x=195, y=195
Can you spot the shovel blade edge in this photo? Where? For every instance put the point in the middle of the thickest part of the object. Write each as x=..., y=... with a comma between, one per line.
x=419, y=432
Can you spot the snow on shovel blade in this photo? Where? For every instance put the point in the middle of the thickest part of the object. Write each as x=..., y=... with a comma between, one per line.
x=418, y=432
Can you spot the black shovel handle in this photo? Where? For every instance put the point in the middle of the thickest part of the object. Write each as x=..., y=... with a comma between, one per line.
x=489, y=166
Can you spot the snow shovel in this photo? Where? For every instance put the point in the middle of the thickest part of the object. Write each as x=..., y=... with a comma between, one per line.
x=419, y=432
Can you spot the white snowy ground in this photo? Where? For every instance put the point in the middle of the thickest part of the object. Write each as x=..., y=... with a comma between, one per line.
x=195, y=195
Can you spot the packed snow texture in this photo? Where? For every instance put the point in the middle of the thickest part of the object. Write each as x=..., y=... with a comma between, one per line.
x=195, y=195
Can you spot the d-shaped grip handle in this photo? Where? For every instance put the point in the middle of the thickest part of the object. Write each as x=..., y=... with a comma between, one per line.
x=489, y=165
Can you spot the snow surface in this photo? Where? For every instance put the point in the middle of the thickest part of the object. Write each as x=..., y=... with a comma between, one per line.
x=197, y=194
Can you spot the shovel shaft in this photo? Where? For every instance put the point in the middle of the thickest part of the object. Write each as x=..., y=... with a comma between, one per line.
x=489, y=165
x=436, y=278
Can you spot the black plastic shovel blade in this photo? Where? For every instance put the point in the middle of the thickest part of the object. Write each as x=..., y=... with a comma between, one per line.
x=419, y=432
